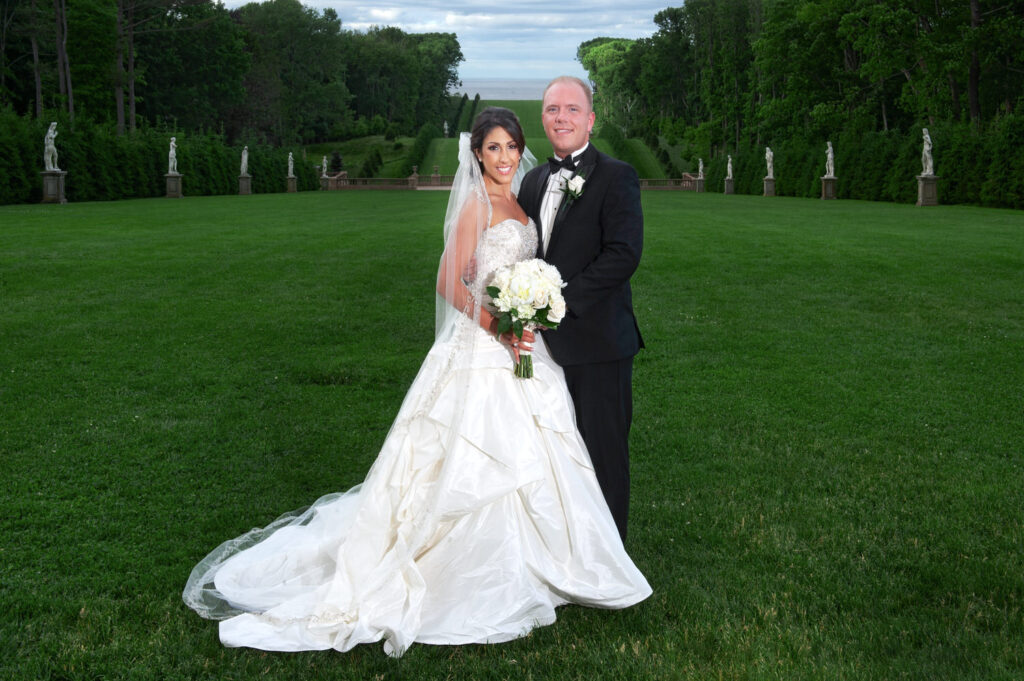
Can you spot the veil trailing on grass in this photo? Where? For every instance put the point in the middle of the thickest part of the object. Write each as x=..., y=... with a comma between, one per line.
x=480, y=515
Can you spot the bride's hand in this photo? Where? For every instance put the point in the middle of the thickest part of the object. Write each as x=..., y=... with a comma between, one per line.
x=515, y=344
x=511, y=341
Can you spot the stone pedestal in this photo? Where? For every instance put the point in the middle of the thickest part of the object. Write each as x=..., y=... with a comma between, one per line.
x=769, y=186
x=927, y=190
x=174, y=185
x=324, y=182
x=700, y=185
x=828, y=187
x=245, y=184
x=729, y=185
x=53, y=186
x=293, y=184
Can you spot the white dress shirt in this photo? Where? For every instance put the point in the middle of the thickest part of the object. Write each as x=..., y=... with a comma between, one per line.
x=553, y=197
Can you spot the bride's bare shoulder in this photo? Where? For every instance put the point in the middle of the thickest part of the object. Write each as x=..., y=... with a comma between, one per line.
x=510, y=210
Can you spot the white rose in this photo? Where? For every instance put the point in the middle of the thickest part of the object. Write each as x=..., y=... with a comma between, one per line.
x=576, y=184
x=557, y=312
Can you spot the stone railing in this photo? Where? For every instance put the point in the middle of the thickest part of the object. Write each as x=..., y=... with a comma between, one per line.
x=686, y=183
x=343, y=181
x=433, y=181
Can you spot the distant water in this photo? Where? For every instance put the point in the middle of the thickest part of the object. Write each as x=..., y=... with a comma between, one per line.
x=503, y=88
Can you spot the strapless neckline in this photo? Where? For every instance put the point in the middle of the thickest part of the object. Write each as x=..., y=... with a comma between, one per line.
x=529, y=221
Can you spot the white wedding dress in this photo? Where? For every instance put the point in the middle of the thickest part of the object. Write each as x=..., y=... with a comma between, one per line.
x=479, y=517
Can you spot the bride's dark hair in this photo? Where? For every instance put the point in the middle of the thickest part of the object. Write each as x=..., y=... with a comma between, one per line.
x=496, y=117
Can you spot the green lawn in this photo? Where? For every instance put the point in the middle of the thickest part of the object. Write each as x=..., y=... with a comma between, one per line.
x=827, y=445
x=355, y=151
x=444, y=153
x=640, y=156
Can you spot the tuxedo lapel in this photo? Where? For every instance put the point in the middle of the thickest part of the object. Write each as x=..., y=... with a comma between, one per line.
x=585, y=169
x=542, y=184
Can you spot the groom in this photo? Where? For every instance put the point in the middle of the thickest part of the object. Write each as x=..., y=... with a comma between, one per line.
x=594, y=236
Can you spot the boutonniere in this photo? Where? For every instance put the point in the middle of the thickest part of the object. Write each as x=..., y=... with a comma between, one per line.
x=573, y=187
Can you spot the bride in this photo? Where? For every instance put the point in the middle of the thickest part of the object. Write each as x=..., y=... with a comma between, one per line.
x=481, y=513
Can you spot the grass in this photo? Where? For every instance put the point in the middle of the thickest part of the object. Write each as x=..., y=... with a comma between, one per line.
x=444, y=153
x=827, y=445
x=640, y=156
x=355, y=151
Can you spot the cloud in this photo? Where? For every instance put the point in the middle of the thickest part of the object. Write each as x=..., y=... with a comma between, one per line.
x=386, y=15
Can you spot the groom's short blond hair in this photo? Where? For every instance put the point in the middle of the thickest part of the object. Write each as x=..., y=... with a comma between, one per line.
x=578, y=81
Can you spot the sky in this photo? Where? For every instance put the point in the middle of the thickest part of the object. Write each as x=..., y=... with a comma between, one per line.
x=514, y=39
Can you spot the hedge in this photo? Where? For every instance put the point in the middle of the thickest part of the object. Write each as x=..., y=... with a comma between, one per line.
x=976, y=166
x=103, y=166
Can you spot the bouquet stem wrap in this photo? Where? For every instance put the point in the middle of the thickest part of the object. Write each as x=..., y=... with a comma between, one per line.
x=524, y=367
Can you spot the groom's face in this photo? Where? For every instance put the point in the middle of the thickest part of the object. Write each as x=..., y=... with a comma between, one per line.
x=567, y=117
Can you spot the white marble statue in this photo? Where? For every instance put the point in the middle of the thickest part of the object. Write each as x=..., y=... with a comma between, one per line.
x=830, y=161
x=446, y=128
x=769, y=159
x=323, y=172
x=50, y=148
x=172, y=158
x=291, y=165
x=927, y=162
x=728, y=168
x=245, y=161
x=700, y=169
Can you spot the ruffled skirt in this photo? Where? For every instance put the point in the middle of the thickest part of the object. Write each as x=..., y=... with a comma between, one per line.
x=479, y=517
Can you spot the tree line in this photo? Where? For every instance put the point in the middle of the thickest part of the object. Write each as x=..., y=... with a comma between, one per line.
x=730, y=76
x=276, y=71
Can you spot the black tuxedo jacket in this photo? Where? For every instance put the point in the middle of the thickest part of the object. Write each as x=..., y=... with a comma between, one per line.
x=596, y=245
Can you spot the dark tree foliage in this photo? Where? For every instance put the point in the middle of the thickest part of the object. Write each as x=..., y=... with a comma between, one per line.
x=274, y=71
x=729, y=76
x=770, y=67
x=122, y=76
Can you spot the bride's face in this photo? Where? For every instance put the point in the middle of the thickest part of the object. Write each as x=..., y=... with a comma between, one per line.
x=499, y=155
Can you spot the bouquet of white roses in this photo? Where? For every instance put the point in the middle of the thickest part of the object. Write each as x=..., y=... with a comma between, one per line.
x=527, y=295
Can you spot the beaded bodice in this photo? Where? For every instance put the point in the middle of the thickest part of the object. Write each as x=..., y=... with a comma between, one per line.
x=502, y=244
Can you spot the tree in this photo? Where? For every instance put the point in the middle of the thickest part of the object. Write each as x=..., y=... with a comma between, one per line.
x=296, y=84
x=191, y=69
x=60, y=12
x=612, y=68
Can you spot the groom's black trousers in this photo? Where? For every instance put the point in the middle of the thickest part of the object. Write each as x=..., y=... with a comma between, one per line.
x=603, y=396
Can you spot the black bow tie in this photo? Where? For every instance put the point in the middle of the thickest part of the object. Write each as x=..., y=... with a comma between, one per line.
x=557, y=165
